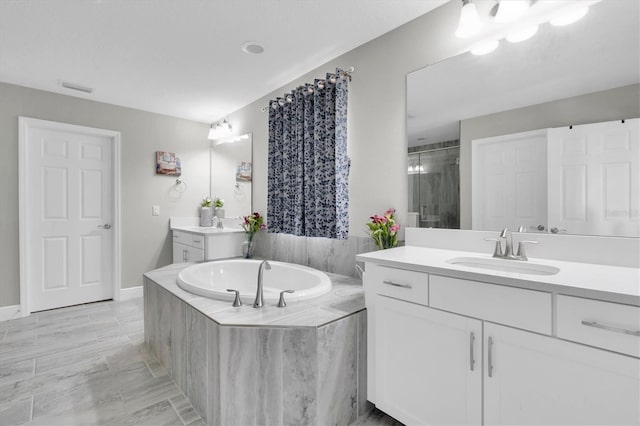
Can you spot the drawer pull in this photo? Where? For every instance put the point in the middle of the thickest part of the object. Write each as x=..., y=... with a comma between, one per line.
x=490, y=357
x=472, y=360
x=396, y=284
x=610, y=328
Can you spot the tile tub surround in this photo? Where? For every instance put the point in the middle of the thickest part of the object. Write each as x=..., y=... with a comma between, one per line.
x=324, y=254
x=303, y=364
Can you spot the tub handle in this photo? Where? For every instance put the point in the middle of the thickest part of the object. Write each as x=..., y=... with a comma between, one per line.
x=281, y=302
x=236, y=302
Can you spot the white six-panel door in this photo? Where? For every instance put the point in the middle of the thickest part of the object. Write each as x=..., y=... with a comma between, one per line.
x=510, y=181
x=67, y=214
x=594, y=180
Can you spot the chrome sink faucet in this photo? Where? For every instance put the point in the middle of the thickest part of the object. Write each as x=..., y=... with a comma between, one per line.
x=259, y=302
x=508, y=253
x=508, y=246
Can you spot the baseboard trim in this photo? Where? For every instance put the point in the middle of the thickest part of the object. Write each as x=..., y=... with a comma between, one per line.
x=9, y=312
x=130, y=293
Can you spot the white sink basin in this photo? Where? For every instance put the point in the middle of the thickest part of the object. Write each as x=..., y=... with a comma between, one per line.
x=505, y=265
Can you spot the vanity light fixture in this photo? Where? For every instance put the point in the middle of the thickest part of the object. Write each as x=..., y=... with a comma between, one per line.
x=485, y=47
x=522, y=34
x=469, y=20
x=510, y=10
x=219, y=130
x=569, y=16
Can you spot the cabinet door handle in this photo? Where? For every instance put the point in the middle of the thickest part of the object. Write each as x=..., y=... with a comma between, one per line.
x=490, y=357
x=396, y=284
x=610, y=328
x=472, y=360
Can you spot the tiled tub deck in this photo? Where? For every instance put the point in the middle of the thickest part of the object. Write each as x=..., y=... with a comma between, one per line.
x=303, y=364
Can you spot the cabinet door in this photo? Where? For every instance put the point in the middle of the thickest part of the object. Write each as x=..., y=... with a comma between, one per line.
x=193, y=254
x=179, y=252
x=428, y=367
x=534, y=379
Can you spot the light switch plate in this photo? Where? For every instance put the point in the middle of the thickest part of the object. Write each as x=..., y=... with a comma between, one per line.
x=155, y=210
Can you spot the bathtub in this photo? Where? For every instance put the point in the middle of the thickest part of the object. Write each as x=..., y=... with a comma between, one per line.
x=212, y=279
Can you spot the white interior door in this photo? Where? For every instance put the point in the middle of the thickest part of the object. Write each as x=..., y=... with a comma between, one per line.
x=509, y=175
x=66, y=215
x=594, y=181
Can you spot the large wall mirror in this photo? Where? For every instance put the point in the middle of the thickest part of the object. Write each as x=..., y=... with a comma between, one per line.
x=232, y=173
x=562, y=78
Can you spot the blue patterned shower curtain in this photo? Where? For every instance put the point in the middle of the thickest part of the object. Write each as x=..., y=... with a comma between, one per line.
x=308, y=164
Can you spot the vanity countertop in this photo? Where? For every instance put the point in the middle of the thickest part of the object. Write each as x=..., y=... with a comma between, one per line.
x=205, y=230
x=610, y=283
x=191, y=225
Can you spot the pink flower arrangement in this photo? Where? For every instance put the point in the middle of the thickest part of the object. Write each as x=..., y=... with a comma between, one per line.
x=384, y=229
x=253, y=223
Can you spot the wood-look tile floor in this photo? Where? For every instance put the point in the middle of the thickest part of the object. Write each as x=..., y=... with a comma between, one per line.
x=88, y=365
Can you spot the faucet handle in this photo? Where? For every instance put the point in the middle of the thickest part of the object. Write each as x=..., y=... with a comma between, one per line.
x=521, y=254
x=237, y=301
x=281, y=302
x=497, y=251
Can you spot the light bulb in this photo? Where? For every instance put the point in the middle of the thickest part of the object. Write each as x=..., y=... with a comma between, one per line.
x=523, y=34
x=469, y=21
x=569, y=16
x=485, y=47
x=510, y=10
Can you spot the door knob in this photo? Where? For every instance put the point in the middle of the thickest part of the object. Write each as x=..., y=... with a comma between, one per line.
x=105, y=226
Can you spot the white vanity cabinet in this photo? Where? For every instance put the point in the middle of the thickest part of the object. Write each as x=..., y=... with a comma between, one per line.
x=207, y=244
x=446, y=350
x=187, y=247
x=538, y=380
x=428, y=366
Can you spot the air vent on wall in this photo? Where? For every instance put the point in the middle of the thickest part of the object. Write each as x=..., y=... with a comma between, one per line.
x=74, y=86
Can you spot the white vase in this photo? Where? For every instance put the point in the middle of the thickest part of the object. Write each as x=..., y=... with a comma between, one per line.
x=206, y=216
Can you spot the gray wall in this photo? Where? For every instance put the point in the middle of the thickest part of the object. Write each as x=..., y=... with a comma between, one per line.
x=377, y=141
x=145, y=241
x=608, y=105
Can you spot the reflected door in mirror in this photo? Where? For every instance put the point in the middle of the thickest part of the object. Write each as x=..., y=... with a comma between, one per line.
x=594, y=182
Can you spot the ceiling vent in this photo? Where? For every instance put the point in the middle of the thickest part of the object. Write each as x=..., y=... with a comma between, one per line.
x=74, y=86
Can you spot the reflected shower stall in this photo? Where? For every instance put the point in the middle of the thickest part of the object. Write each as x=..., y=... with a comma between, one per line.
x=434, y=187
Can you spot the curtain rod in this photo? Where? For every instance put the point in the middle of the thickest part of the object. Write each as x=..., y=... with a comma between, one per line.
x=343, y=74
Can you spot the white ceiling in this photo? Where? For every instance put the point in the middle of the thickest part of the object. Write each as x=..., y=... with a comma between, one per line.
x=599, y=52
x=183, y=57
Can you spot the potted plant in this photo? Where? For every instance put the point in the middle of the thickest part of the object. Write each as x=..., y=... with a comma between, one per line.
x=206, y=212
x=252, y=224
x=384, y=229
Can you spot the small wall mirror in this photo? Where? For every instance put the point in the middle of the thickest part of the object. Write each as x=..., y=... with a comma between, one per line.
x=232, y=173
x=585, y=73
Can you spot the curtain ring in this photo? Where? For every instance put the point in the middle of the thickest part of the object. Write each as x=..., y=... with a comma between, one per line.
x=289, y=98
x=321, y=84
x=333, y=79
x=281, y=102
x=310, y=89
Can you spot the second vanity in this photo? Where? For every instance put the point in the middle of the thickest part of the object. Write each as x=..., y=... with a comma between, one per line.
x=194, y=243
x=453, y=339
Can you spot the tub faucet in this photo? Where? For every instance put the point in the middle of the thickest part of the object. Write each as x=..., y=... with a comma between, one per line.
x=259, y=302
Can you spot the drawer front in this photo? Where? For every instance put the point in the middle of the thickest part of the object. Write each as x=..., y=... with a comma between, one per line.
x=607, y=325
x=182, y=238
x=401, y=284
x=197, y=241
x=516, y=307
